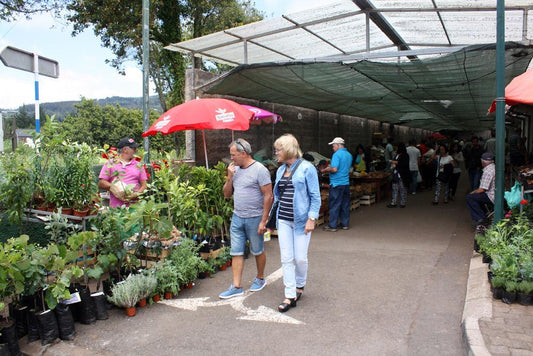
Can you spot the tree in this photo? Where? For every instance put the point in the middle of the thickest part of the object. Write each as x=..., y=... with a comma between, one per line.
x=11, y=9
x=97, y=125
x=118, y=23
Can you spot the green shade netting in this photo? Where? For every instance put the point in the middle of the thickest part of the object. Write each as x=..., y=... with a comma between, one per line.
x=453, y=91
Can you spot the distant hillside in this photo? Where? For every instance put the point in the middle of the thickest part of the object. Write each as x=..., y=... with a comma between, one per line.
x=61, y=108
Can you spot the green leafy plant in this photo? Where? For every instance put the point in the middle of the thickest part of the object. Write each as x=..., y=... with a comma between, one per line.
x=525, y=287
x=186, y=260
x=168, y=277
x=145, y=283
x=125, y=294
x=18, y=183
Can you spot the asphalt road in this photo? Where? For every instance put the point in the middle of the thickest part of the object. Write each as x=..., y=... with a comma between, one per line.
x=394, y=284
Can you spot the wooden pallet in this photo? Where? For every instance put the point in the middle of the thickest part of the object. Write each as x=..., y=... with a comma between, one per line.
x=367, y=199
x=355, y=204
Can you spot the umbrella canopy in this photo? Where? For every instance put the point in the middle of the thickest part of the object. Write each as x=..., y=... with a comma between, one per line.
x=518, y=91
x=208, y=113
x=438, y=136
x=262, y=115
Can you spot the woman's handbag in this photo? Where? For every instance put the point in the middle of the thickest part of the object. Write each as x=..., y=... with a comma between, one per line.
x=273, y=213
x=446, y=173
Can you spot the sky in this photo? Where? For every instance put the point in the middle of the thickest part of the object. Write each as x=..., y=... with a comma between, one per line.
x=82, y=68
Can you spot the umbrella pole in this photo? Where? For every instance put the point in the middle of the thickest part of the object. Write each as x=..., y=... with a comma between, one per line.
x=205, y=150
x=232, y=135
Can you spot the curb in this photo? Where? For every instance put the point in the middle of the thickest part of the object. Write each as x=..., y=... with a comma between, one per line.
x=478, y=304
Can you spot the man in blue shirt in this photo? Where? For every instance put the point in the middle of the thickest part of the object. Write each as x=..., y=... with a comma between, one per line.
x=339, y=191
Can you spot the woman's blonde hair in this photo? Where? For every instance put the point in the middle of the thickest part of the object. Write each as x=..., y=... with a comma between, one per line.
x=289, y=145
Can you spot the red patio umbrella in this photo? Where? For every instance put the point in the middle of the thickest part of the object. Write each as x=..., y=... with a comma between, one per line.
x=438, y=136
x=518, y=91
x=208, y=113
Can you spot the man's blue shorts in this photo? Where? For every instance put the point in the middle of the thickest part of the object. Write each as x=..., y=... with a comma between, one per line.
x=243, y=229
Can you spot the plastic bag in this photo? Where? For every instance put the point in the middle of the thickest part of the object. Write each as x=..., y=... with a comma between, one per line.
x=65, y=322
x=47, y=326
x=514, y=196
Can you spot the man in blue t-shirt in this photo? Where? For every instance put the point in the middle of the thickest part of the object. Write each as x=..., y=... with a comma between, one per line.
x=339, y=190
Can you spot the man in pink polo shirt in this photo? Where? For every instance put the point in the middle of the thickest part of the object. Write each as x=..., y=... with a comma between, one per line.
x=118, y=174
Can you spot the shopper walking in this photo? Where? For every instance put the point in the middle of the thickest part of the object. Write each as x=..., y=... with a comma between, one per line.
x=414, y=162
x=401, y=177
x=299, y=205
x=250, y=184
x=457, y=155
x=339, y=190
x=444, y=173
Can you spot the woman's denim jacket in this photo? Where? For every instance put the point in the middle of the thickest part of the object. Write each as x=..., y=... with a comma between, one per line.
x=306, y=201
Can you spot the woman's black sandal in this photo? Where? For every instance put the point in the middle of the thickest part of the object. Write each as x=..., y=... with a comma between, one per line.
x=284, y=306
x=299, y=294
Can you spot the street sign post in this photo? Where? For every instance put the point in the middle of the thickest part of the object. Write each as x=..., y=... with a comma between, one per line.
x=30, y=62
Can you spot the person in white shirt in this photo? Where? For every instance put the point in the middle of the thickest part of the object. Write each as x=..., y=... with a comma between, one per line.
x=444, y=173
x=414, y=162
x=458, y=157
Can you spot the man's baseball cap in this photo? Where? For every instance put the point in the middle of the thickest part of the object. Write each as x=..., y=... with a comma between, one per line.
x=487, y=156
x=128, y=142
x=337, y=140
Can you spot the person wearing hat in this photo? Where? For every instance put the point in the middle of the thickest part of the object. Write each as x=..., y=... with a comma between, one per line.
x=339, y=185
x=485, y=193
x=123, y=176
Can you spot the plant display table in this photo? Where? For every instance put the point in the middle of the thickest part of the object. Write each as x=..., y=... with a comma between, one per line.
x=40, y=216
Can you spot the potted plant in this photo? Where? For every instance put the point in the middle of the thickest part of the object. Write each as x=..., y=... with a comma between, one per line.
x=167, y=279
x=82, y=179
x=17, y=185
x=125, y=295
x=146, y=285
x=525, y=292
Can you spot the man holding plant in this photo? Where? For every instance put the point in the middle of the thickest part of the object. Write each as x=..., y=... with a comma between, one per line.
x=123, y=177
x=250, y=184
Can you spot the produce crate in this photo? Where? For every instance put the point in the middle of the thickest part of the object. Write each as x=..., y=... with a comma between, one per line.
x=355, y=204
x=367, y=199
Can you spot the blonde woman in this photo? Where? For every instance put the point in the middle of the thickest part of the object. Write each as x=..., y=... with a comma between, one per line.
x=298, y=193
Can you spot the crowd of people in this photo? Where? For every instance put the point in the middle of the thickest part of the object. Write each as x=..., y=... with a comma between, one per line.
x=294, y=196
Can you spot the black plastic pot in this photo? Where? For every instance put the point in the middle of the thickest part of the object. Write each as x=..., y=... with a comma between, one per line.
x=21, y=320
x=524, y=298
x=99, y=300
x=9, y=337
x=486, y=258
x=85, y=310
x=497, y=293
x=476, y=246
x=65, y=322
x=33, y=326
x=48, y=328
x=508, y=297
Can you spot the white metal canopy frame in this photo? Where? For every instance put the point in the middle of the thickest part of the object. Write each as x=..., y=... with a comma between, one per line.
x=352, y=30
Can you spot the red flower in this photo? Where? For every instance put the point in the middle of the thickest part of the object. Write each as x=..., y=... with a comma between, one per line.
x=524, y=202
x=156, y=167
x=105, y=155
x=83, y=185
x=137, y=158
